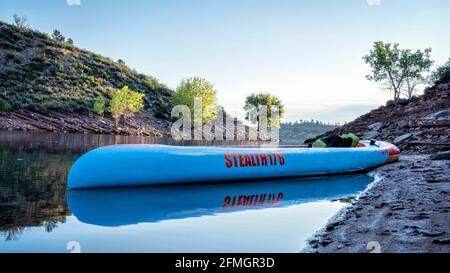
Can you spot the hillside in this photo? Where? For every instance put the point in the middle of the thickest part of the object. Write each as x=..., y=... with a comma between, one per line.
x=50, y=85
x=418, y=125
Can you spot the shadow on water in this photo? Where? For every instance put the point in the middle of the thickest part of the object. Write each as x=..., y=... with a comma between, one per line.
x=33, y=188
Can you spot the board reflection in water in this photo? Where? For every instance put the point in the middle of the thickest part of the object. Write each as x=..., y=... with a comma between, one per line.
x=264, y=216
x=128, y=206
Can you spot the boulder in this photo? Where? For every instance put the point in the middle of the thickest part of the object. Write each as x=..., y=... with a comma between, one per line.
x=375, y=126
x=403, y=137
x=441, y=156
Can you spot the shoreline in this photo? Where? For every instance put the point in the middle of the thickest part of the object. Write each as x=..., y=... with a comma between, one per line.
x=407, y=209
x=141, y=124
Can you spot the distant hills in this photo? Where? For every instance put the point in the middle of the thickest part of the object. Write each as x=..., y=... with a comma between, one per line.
x=298, y=131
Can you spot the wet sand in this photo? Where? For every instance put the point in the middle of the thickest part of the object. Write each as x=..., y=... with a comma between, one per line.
x=407, y=209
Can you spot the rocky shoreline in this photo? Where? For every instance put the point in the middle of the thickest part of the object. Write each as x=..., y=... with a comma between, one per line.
x=141, y=124
x=406, y=210
x=54, y=121
x=420, y=125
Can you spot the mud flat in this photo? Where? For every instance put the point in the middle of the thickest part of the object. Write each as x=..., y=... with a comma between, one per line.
x=407, y=209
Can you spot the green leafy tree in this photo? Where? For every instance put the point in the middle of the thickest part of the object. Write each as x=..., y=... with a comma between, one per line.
x=117, y=105
x=70, y=41
x=418, y=63
x=441, y=74
x=195, y=87
x=253, y=104
x=99, y=105
x=124, y=103
x=398, y=69
x=57, y=35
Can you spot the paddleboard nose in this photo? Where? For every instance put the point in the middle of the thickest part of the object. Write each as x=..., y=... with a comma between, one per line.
x=394, y=154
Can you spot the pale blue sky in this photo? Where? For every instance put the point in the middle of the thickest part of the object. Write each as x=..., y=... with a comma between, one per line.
x=309, y=53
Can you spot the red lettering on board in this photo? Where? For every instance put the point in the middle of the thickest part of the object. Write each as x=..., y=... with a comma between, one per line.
x=263, y=159
x=281, y=158
x=254, y=160
x=228, y=163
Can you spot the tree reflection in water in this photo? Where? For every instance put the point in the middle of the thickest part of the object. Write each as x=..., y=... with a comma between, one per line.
x=32, y=190
x=33, y=174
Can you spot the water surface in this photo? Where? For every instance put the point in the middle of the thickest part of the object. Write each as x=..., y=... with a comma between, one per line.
x=39, y=214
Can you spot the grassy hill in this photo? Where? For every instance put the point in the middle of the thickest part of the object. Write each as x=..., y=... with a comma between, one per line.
x=40, y=73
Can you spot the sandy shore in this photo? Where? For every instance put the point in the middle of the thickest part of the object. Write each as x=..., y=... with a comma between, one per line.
x=406, y=210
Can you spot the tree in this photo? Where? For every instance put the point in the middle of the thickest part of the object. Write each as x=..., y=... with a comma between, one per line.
x=195, y=87
x=70, y=41
x=57, y=35
x=441, y=74
x=20, y=22
x=124, y=103
x=254, y=102
x=99, y=105
x=418, y=62
x=397, y=69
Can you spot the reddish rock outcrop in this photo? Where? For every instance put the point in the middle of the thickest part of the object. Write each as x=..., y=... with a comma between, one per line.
x=55, y=121
x=417, y=125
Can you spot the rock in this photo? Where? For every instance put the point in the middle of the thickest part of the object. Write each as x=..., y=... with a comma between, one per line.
x=326, y=242
x=332, y=226
x=433, y=180
x=440, y=114
x=375, y=126
x=397, y=208
x=402, y=137
x=444, y=241
x=370, y=135
x=432, y=233
x=441, y=156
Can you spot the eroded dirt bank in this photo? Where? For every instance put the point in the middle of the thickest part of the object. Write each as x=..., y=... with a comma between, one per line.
x=406, y=210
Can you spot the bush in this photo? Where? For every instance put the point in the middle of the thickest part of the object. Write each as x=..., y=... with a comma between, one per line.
x=162, y=111
x=90, y=80
x=6, y=106
x=441, y=74
x=99, y=105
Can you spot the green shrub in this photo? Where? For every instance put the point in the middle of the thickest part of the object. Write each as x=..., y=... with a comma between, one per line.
x=6, y=106
x=441, y=74
x=162, y=111
x=99, y=105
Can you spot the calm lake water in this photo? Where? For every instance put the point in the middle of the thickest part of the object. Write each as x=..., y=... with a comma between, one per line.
x=39, y=214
